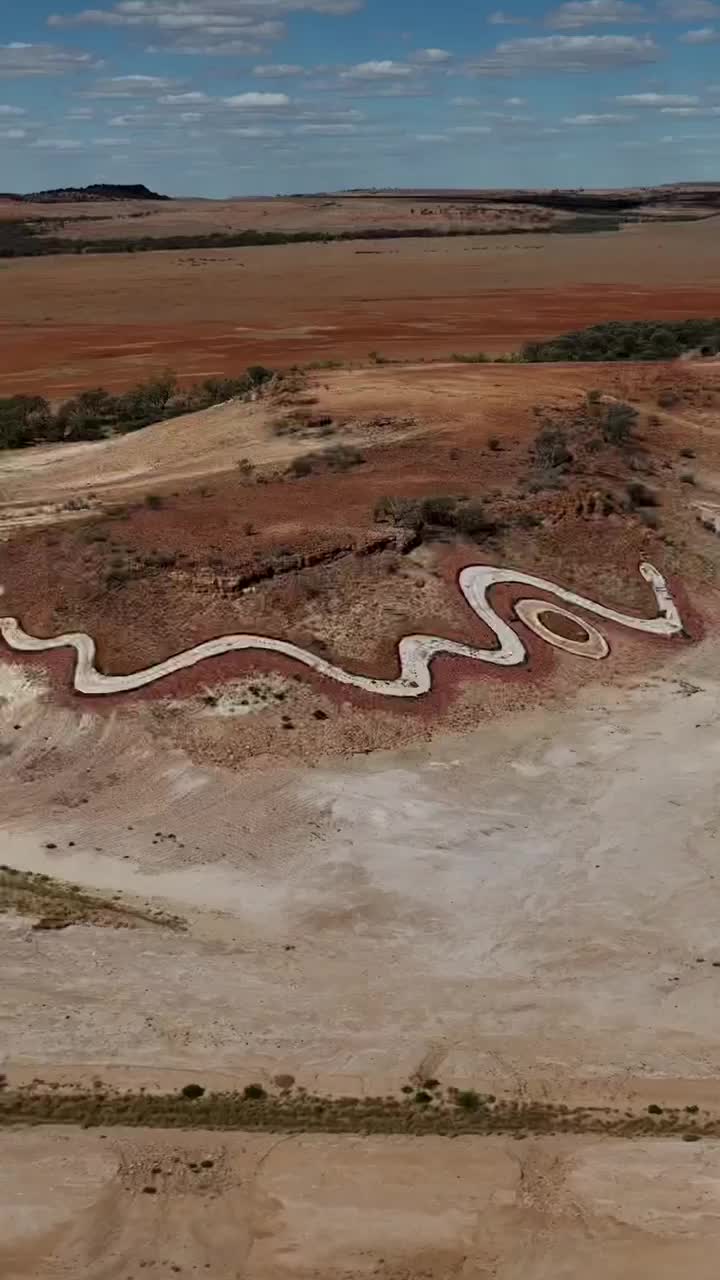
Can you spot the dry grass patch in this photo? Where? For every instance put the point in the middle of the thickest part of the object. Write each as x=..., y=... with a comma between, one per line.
x=55, y=905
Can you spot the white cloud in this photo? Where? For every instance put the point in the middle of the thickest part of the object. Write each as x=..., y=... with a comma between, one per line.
x=279, y=71
x=515, y=102
x=13, y=135
x=326, y=130
x=58, y=144
x=690, y=10
x=81, y=113
x=690, y=111
x=136, y=86
x=431, y=57
x=566, y=53
x=256, y=132
x=607, y=117
x=703, y=35
x=379, y=70
x=502, y=19
x=271, y=100
x=19, y=59
x=657, y=100
x=587, y=13
x=431, y=137
x=471, y=129
x=110, y=142
x=204, y=26
x=182, y=99
x=11, y=111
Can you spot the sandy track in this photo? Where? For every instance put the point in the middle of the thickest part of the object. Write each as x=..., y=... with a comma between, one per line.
x=415, y=652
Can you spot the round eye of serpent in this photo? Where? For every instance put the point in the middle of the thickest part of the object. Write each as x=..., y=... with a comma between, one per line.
x=532, y=612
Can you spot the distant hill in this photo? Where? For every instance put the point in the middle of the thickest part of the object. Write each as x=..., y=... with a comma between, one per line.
x=96, y=191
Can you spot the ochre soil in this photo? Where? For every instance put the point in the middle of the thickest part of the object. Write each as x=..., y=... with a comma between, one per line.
x=116, y=1203
x=150, y=580
x=113, y=319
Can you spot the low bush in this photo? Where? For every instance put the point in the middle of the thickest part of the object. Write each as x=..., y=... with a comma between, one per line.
x=618, y=422
x=640, y=496
x=551, y=448
x=462, y=515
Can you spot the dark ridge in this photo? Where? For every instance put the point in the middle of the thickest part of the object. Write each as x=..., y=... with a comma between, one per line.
x=96, y=191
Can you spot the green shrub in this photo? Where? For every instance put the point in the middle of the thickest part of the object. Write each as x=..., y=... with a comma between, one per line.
x=618, y=423
x=254, y=1092
x=551, y=448
x=24, y=420
x=192, y=1091
x=468, y=1099
x=629, y=340
x=640, y=496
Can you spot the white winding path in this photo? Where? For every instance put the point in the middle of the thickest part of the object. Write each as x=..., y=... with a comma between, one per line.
x=415, y=653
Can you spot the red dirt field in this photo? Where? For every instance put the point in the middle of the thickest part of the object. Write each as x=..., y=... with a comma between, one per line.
x=112, y=320
x=149, y=581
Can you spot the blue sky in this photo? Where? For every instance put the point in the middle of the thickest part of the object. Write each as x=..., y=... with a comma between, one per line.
x=238, y=97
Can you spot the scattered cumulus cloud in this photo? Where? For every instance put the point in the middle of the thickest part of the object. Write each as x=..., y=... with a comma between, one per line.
x=183, y=99
x=657, y=100
x=11, y=111
x=130, y=87
x=589, y=13
x=20, y=60
x=279, y=71
x=378, y=70
x=255, y=100
x=223, y=26
x=606, y=117
x=703, y=35
x=690, y=111
x=326, y=130
x=566, y=53
x=58, y=144
x=432, y=57
x=499, y=18
x=690, y=10
x=13, y=135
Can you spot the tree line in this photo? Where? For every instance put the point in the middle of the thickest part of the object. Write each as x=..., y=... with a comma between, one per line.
x=96, y=414
x=629, y=340
x=20, y=239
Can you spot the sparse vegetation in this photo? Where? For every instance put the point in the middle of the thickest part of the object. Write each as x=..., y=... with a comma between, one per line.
x=293, y=1110
x=618, y=422
x=56, y=905
x=630, y=340
x=96, y=414
x=20, y=238
x=339, y=457
x=431, y=515
x=639, y=495
x=551, y=448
